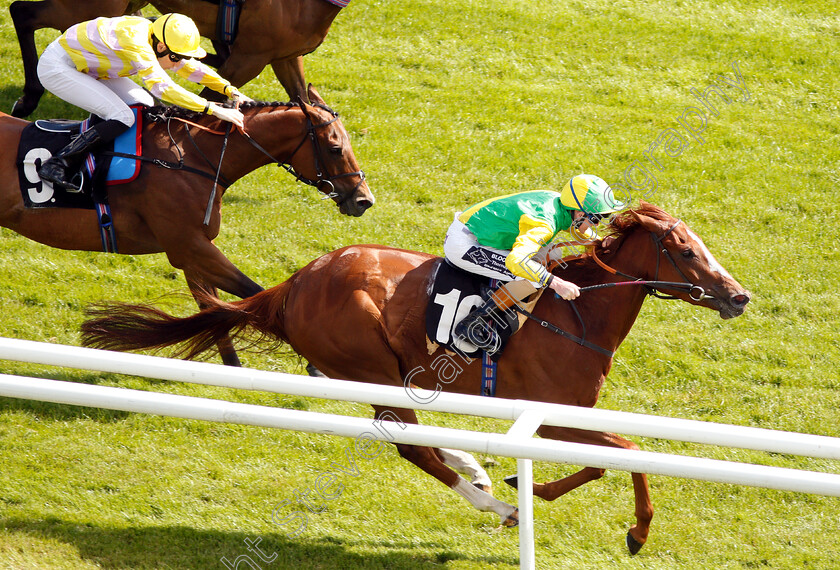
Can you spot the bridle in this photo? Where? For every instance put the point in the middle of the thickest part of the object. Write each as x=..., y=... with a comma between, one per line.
x=217, y=178
x=695, y=292
x=321, y=177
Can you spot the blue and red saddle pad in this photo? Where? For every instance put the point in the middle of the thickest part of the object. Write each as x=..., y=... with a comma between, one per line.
x=453, y=293
x=100, y=170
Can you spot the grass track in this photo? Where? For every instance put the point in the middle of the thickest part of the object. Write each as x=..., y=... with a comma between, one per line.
x=446, y=104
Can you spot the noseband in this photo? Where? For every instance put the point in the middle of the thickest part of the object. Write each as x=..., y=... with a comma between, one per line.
x=320, y=176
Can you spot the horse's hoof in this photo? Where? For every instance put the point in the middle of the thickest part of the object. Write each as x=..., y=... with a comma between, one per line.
x=512, y=519
x=21, y=109
x=486, y=488
x=633, y=545
x=512, y=480
x=314, y=372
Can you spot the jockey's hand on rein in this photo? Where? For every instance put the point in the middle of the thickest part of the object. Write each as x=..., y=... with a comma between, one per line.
x=234, y=116
x=240, y=97
x=564, y=289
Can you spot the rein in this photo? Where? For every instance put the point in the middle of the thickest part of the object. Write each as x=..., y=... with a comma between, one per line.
x=696, y=292
x=218, y=178
x=557, y=330
x=320, y=178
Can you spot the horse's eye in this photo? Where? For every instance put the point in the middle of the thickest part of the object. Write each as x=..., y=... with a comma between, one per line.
x=688, y=253
x=336, y=150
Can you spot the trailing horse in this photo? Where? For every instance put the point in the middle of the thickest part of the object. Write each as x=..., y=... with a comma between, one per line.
x=277, y=33
x=378, y=335
x=165, y=208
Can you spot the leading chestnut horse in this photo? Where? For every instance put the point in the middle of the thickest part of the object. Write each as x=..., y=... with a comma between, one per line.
x=378, y=335
x=271, y=32
x=164, y=209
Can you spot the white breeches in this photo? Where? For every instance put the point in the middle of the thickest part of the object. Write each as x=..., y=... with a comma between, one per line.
x=107, y=98
x=463, y=250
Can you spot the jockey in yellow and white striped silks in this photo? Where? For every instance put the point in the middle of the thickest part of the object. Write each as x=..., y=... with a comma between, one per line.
x=90, y=66
x=106, y=48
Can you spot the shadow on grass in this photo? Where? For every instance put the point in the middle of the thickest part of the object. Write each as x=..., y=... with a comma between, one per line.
x=188, y=548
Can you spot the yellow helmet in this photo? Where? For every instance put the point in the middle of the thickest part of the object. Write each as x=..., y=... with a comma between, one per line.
x=179, y=34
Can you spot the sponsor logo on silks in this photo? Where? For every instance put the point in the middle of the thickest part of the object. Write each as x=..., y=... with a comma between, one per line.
x=487, y=259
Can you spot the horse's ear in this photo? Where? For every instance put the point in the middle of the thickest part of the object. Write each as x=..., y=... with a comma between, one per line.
x=649, y=222
x=299, y=100
x=313, y=95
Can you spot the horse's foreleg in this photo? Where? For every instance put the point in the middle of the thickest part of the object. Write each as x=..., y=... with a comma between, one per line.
x=638, y=533
x=463, y=462
x=225, y=344
x=205, y=266
x=428, y=459
x=205, y=269
x=290, y=74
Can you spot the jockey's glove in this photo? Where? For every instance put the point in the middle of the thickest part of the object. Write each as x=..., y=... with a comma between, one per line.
x=234, y=116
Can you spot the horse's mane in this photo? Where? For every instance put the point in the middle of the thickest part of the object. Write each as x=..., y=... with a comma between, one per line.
x=627, y=221
x=619, y=228
x=164, y=112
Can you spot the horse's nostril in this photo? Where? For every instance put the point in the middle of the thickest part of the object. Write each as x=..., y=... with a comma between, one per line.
x=364, y=203
x=740, y=300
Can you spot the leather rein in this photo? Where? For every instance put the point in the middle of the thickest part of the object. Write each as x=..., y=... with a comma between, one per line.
x=696, y=292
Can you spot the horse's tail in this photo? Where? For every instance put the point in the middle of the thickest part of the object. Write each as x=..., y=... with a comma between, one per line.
x=123, y=326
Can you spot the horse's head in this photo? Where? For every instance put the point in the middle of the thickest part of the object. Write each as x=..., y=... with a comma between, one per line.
x=678, y=255
x=328, y=163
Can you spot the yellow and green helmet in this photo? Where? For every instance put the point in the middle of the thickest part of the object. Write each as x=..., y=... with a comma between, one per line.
x=589, y=194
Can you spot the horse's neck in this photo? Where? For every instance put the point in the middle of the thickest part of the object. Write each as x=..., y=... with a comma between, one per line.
x=608, y=314
x=279, y=131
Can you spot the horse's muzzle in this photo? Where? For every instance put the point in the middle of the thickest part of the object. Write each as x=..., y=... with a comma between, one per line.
x=357, y=202
x=734, y=305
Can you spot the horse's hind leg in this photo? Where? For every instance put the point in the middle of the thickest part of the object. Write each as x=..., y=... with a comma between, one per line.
x=428, y=459
x=638, y=533
x=238, y=68
x=57, y=14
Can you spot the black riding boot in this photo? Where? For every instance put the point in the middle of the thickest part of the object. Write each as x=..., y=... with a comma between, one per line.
x=55, y=169
x=478, y=327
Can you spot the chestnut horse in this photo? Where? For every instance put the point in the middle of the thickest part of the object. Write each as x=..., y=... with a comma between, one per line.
x=164, y=209
x=378, y=335
x=271, y=32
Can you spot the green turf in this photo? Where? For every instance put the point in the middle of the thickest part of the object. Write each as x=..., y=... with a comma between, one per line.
x=446, y=104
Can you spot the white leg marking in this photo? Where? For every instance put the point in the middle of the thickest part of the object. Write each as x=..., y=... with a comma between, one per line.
x=463, y=462
x=483, y=501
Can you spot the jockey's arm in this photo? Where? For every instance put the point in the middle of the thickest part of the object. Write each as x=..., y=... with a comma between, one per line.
x=197, y=72
x=534, y=234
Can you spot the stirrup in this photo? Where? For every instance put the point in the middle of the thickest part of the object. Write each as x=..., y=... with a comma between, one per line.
x=476, y=329
x=54, y=171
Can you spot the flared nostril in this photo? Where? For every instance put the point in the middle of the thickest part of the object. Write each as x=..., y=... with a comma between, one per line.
x=740, y=300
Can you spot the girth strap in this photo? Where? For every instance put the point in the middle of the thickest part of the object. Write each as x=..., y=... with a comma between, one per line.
x=172, y=166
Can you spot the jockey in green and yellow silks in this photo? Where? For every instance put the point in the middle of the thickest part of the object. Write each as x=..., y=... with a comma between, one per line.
x=500, y=238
